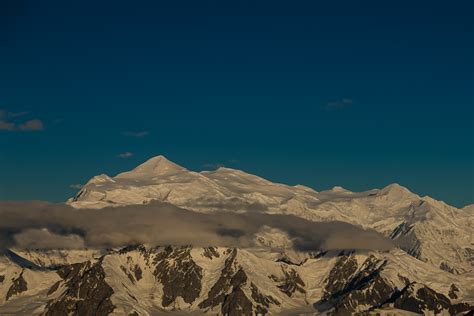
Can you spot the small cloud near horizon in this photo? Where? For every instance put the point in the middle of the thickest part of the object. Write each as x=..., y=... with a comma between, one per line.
x=8, y=124
x=31, y=125
x=17, y=114
x=339, y=104
x=217, y=165
x=126, y=154
x=213, y=166
x=76, y=186
x=136, y=134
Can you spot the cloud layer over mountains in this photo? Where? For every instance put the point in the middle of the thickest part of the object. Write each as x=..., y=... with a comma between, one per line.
x=44, y=225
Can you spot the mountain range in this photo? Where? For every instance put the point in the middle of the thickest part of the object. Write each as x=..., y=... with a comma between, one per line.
x=428, y=269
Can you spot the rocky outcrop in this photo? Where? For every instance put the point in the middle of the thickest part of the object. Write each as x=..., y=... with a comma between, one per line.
x=263, y=301
x=290, y=283
x=86, y=291
x=453, y=290
x=217, y=293
x=350, y=286
x=18, y=286
x=419, y=299
x=230, y=290
x=179, y=274
x=353, y=289
x=210, y=252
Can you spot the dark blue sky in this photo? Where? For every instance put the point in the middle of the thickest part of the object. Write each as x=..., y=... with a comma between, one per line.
x=353, y=93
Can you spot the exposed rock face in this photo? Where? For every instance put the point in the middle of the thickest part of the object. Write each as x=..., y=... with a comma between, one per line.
x=142, y=280
x=290, y=283
x=85, y=293
x=361, y=289
x=263, y=301
x=53, y=288
x=210, y=252
x=179, y=274
x=218, y=291
x=19, y=285
x=343, y=270
x=453, y=291
x=137, y=272
x=230, y=292
x=236, y=303
x=349, y=286
x=419, y=299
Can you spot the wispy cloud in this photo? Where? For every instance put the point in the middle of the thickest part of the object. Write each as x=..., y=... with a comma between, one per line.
x=212, y=166
x=8, y=122
x=216, y=165
x=44, y=225
x=136, y=134
x=76, y=186
x=6, y=126
x=17, y=114
x=31, y=125
x=126, y=154
x=339, y=104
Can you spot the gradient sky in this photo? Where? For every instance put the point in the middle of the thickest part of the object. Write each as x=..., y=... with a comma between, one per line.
x=353, y=93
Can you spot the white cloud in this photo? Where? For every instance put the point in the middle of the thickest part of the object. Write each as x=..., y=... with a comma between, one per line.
x=44, y=239
x=8, y=122
x=76, y=186
x=17, y=114
x=212, y=166
x=7, y=126
x=136, y=134
x=31, y=125
x=126, y=154
x=339, y=104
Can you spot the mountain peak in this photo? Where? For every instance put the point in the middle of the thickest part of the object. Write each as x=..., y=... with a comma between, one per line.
x=339, y=189
x=158, y=165
x=394, y=189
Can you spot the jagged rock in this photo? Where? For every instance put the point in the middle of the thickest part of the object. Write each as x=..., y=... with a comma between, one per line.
x=262, y=300
x=344, y=268
x=127, y=273
x=452, y=291
x=53, y=288
x=18, y=286
x=350, y=286
x=179, y=274
x=218, y=291
x=367, y=288
x=210, y=252
x=422, y=299
x=236, y=304
x=446, y=267
x=86, y=291
x=137, y=272
x=290, y=283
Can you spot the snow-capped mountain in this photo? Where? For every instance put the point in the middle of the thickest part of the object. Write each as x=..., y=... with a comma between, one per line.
x=430, y=270
x=430, y=230
x=140, y=280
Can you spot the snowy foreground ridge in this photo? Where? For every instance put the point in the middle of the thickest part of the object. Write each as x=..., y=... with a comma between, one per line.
x=429, y=271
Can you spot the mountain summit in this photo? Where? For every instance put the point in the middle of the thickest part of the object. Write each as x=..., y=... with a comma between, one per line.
x=155, y=166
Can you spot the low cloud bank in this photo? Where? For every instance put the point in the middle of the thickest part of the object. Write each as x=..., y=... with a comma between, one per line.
x=44, y=225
